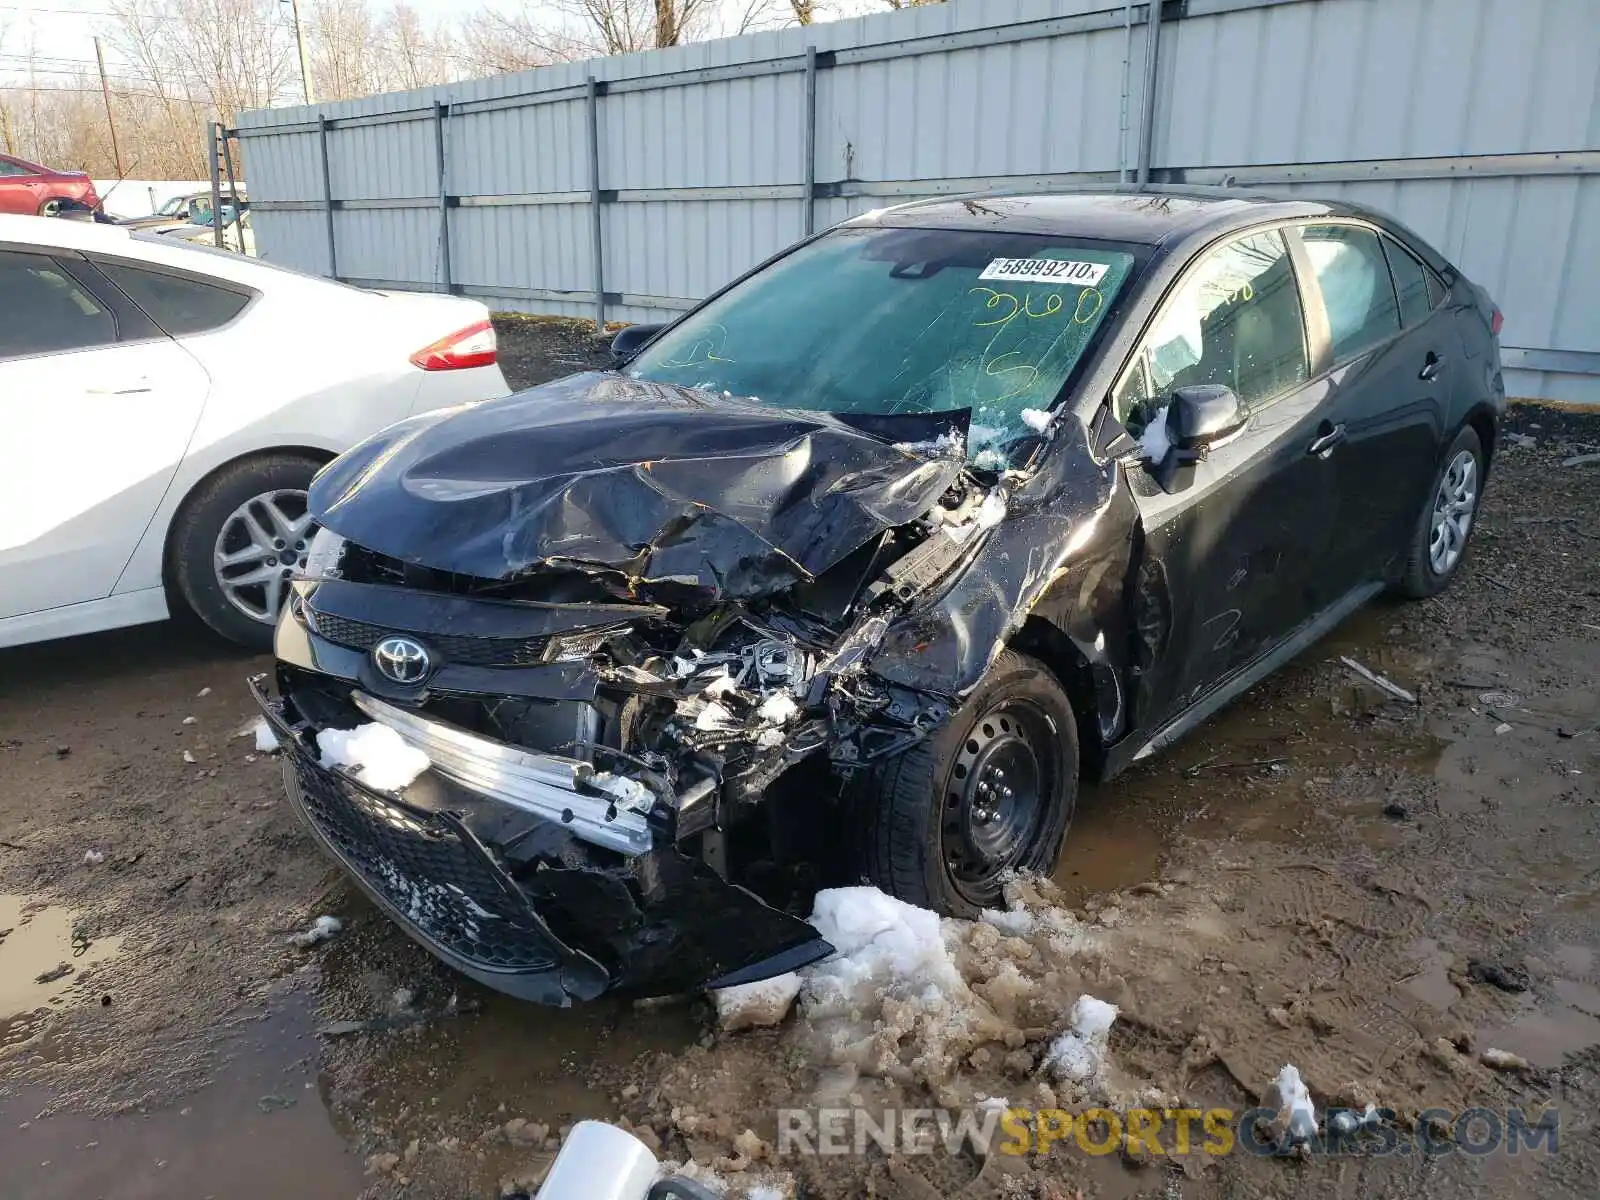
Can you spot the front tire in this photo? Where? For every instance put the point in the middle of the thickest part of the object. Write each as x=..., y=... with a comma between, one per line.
x=990, y=794
x=237, y=541
x=1439, y=541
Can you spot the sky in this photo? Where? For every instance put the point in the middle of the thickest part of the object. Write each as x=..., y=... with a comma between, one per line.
x=61, y=32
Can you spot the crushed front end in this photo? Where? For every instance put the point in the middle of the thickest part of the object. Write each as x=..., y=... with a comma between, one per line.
x=609, y=717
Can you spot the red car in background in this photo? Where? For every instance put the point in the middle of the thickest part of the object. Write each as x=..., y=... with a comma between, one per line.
x=27, y=187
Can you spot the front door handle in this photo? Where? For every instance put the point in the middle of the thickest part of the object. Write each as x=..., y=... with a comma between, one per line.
x=1430, y=367
x=1328, y=436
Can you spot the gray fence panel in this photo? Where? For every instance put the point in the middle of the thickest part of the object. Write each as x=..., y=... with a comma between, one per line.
x=1477, y=122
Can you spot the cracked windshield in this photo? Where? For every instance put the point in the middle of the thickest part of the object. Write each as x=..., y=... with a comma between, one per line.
x=888, y=321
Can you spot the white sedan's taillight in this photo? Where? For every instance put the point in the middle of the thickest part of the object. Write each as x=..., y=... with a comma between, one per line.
x=473, y=346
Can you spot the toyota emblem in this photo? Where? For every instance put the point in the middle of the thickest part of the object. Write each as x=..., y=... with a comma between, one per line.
x=402, y=660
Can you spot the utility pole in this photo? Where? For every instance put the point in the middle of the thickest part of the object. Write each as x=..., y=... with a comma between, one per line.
x=105, y=91
x=305, y=63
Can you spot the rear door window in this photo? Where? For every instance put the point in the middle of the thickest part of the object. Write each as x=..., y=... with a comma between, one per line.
x=1410, y=284
x=180, y=305
x=47, y=310
x=1357, y=292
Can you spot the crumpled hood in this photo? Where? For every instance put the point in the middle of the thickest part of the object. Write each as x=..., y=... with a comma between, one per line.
x=652, y=482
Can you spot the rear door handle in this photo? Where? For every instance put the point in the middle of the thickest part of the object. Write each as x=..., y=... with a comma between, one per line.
x=1430, y=367
x=1327, y=438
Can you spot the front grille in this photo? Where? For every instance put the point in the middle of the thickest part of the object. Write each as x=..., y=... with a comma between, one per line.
x=463, y=651
x=427, y=874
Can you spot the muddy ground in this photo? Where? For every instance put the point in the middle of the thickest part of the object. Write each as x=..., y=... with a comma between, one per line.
x=1308, y=879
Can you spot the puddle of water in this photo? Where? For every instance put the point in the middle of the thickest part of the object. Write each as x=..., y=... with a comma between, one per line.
x=44, y=952
x=259, y=1132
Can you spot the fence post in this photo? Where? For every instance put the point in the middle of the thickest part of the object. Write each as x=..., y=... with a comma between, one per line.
x=327, y=196
x=810, y=173
x=213, y=131
x=592, y=95
x=1152, y=75
x=440, y=112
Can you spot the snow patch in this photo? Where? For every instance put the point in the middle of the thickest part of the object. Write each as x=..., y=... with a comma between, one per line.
x=266, y=740
x=1079, y=1053
x=1036, y=419
x=321, y=930
x=1154, y=442
x=760, y=1004
x=949, y=444
x=1297, y=1118
x=379, y=757
x=992, y=511
x=989, y=460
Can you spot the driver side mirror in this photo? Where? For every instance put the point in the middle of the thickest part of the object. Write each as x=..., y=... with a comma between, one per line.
x=1197, y=417
x=629, y=339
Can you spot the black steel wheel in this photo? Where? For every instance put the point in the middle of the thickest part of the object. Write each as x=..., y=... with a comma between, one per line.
x=987, y=796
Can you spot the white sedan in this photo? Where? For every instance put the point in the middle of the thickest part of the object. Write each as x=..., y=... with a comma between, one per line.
x=163, y=408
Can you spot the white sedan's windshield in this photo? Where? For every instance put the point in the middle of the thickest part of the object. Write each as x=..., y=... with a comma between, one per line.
x=885, y=321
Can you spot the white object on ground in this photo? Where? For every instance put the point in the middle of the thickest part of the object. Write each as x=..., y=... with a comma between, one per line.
x=878, y=941
x=1378, y=681
x=756, y=1005
x=266, y=740
x=1503, y=727
x=93, y=858
x=1079, y=1053
x=1296, y=1115
x=1154, y=442
x=600, y=1162
x=378, y=755
x=187, y=757
x=1502, y=1060
x=203, y=692
x=321, y=930
x=1036, y=419
x=1580, y=460
x=778, y=709
x=188, y=721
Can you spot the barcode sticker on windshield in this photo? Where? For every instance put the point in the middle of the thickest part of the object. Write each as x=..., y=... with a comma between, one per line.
x=1045, y=270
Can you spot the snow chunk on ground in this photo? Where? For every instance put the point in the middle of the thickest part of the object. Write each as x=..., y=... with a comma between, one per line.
x=378, y=755
x=266, y=740
x=1297, y=1119
x=1036, y=419
x=760, y=1004
x=321, y=930
x=1079, y=1053
x=778, y=709
x=1154, y=442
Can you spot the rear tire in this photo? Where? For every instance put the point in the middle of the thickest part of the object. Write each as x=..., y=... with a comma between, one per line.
x=1444, y=526
x=266, y=493
x=990, y=794
x=51, y=207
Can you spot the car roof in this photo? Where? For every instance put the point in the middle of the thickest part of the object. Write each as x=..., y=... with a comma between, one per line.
x=121, y=241
x=1125, y=213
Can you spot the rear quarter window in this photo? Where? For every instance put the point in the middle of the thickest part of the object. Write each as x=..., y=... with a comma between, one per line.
x=179, y=304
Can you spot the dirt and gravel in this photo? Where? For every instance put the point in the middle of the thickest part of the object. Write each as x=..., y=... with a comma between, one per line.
x=1375, y=891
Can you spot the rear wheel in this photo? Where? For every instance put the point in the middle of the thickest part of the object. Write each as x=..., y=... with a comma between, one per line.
x=51, y=207
x=990, y=794
x=237, y=542
x=1439, y=541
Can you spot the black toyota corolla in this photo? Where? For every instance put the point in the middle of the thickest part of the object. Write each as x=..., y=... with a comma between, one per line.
x=855, y=569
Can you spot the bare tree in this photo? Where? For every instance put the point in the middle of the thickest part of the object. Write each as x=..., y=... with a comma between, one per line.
x=805, y=11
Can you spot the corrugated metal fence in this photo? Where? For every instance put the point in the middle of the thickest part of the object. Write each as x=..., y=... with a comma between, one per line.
x=629, y=187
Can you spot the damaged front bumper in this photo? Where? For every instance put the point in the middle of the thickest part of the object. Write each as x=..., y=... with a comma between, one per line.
x=522, y=870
